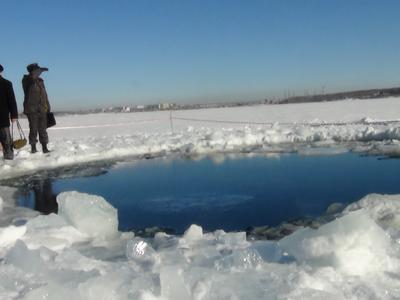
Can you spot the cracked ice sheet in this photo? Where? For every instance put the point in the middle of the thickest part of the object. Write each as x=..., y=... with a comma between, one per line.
x=64, y=256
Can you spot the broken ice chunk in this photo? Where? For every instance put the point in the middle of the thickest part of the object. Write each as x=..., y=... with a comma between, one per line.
x=193, y=233
x=90, y=214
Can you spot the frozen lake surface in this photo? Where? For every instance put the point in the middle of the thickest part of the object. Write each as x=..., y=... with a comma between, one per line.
x=350, y=253
x=223, y=192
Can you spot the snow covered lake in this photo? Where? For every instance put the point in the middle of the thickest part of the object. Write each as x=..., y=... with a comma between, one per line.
x=351, y=253
x=229, y=192
x=360, y=125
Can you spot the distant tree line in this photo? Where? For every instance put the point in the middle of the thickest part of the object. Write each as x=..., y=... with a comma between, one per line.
x=361, y=94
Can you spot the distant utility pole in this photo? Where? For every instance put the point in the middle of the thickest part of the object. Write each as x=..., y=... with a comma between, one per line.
x=171, y=121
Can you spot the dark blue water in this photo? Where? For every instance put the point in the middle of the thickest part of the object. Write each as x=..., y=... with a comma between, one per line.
x=230, y=195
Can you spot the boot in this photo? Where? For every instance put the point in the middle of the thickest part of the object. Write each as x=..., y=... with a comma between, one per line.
x=8, y=152
x=33, y=148
x=44, y=147
x=6, y=142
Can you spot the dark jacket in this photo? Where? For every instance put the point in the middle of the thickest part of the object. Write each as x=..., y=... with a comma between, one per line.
x=35, y=100
x=8, y=104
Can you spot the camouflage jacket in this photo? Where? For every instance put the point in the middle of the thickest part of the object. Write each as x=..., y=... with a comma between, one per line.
x=35, y=100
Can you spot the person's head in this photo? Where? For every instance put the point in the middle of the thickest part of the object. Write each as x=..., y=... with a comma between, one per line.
x=1, y=70
x=35, y=70
x=36, y=73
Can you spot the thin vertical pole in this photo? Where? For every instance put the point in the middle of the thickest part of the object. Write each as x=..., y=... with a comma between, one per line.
x=170, y=121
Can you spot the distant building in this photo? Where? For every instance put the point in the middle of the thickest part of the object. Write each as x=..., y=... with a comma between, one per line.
x=152, y=107
x=164, y=106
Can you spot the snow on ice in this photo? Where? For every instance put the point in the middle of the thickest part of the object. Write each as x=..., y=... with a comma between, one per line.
x=80, y=139
x=80, y=254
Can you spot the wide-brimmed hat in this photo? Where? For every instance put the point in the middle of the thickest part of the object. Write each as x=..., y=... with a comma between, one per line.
x=35, y=66
x=1, y=68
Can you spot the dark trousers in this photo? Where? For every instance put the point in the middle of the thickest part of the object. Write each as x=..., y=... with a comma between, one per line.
x=6, y=143
x=38, y=125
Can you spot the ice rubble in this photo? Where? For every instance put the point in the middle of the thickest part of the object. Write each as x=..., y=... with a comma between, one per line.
x=347, y=244
x=79, y=254
x=377, y=139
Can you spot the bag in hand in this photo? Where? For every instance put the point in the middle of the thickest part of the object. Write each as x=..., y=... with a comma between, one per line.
x=51, y=120
x=21, y=142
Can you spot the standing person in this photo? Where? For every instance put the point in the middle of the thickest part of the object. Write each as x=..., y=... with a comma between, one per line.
x=8, y=110
x=36, y=106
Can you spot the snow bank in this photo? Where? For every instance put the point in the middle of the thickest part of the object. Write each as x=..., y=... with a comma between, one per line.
x=80, y=255
x=81, y=139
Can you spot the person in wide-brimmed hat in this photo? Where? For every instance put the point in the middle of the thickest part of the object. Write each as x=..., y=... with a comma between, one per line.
x=36, y=106
x=8, y=111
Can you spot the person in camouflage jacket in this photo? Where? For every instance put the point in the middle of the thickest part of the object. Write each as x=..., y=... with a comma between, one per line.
x=36, y=106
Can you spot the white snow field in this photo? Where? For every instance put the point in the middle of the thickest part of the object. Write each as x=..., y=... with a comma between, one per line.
x=80, y=254
x=84, y=138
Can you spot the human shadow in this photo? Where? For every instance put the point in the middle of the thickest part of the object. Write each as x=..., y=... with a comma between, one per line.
x=45, y=198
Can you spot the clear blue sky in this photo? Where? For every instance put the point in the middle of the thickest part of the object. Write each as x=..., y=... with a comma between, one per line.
x=136, y=52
